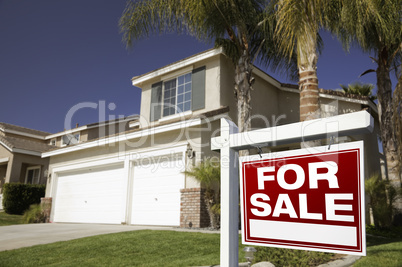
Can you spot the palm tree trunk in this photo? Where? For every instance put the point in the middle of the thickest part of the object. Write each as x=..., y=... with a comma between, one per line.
x=308, y=86
x=385, y=111
x=243, y=86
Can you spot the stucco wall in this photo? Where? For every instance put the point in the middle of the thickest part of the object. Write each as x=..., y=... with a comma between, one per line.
x=5, y=169
x=212, y=99
x=19, y=164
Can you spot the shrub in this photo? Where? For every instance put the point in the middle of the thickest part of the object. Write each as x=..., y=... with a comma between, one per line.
x=291, y=257
x=382, y=197
x=18, y=197
x=208, y=173
x=34, y=214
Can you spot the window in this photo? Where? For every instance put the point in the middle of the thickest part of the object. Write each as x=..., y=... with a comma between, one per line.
x=380, y=145
x=32, y=175
x=70, y=139
x=177, y=95
x=184, y=93
x=53, y=141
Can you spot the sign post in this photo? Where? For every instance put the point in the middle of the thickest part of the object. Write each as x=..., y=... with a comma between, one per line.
x=230, y=142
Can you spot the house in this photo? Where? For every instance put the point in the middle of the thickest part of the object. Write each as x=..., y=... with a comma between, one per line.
x=21, y=148
x=20, y=156
x=136, y=176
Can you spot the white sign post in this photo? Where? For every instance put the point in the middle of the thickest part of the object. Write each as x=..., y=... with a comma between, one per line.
x=230, y=142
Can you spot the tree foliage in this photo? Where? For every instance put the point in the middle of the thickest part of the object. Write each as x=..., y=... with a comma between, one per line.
x=376, y=26
x=358, y=88
x=297, y=32
x=382, y=196
x=208, y=173
x=243, y=28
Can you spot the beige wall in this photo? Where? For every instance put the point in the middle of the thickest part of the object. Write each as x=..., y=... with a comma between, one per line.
x=19, y=164
x=3, y=172
x=14, y=171
x=212, y=100
x=5, y=168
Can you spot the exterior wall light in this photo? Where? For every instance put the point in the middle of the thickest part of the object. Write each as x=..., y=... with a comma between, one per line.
x=190, y=152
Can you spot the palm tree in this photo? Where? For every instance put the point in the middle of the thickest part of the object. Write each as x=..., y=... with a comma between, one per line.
x=358, y=88
x=208, y=173
x=376, y=26
x=299, y=23
x=241, y=27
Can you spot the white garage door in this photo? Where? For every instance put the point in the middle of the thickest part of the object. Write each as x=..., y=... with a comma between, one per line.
x=94, y=195
x=156, y=191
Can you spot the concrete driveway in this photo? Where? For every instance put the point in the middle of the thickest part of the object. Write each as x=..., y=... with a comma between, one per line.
x=26, y=235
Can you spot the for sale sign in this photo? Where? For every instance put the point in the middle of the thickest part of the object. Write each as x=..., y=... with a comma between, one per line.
x=311, y=199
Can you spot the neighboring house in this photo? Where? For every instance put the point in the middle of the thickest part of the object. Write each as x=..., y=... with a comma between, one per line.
x=21, y=148
x=20, y=156
x=136, y=177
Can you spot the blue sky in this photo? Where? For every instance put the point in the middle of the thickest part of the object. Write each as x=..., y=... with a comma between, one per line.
x=55, y=54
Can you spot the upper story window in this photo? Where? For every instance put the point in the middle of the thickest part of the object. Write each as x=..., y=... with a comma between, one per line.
x=177, y=95
x=53, y=142
x=70, y=139
x=183, y=93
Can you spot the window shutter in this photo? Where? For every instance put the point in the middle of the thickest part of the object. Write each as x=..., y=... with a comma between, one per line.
x=198, y=90
x=156, y=102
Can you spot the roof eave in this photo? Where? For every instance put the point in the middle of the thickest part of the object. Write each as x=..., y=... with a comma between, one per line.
x=139, y=80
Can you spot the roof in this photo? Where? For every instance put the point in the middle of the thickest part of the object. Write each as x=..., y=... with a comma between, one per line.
x=10, y=127
x=16, y=144
x=93, y=125
x=138, y=80
x=208, y=114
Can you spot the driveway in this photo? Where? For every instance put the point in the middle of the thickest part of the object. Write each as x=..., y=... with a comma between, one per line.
x=26, y=235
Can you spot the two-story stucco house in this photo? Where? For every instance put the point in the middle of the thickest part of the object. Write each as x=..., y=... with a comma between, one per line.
x=136, y=176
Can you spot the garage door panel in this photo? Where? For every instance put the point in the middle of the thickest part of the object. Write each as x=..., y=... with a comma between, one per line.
x=156, y=193
x=90, y=196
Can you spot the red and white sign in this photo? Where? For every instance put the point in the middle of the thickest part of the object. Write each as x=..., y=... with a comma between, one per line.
x=310, y=199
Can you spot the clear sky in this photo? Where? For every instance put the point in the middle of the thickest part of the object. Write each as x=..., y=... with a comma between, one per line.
x=55, y=54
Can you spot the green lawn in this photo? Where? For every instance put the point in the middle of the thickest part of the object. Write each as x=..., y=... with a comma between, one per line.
x=383, y=251
x=137, y=248
x=7, y=219
x=171, y=248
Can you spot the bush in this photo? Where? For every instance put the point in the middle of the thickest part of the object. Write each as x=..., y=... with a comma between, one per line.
x=34, y=214
x=208, y=173
x=291, y=257
x=18, y=197
x=382, y=197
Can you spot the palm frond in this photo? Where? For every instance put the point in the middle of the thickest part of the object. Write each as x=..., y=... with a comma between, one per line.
x=207, y=172
x=358, y=88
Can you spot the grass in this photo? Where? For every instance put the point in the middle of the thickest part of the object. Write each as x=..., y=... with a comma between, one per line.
x=137, y=248
x=384, y=248
x=7, y=219
x=171, y=248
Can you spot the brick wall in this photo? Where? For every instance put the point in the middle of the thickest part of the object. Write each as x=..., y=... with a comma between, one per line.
x=193, y=211
x=46, y=204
